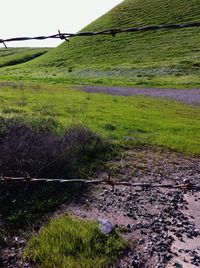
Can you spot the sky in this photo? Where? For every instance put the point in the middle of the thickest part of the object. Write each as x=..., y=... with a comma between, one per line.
x=44, y=17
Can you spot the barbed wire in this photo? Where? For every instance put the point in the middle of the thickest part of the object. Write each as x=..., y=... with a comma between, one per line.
x=112, y=32
x=187, y=185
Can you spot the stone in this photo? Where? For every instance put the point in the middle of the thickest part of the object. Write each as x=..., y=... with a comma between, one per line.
x=105, y=226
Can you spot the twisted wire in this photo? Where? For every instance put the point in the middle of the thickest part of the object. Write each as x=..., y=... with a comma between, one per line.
x=112, y=32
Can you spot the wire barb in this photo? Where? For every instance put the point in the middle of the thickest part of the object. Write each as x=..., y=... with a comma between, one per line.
x=62, y=36
x=3, y=42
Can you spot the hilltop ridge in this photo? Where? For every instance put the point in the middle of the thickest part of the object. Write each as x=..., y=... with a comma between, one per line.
x=156, y=58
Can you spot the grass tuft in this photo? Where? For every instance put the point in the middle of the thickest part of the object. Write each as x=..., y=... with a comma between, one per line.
x=69, y=242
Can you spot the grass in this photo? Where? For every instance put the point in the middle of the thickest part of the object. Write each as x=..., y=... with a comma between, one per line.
x=149, y=59
x=14, y=56
x=133, y=120
x=69, y=242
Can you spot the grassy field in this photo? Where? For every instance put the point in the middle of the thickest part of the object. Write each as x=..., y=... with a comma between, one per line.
x=69, y=242
x=132, y=120
x=151, y=59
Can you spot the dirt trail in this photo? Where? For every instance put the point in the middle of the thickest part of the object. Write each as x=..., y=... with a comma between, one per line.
x=191, y=96
x=162, y=226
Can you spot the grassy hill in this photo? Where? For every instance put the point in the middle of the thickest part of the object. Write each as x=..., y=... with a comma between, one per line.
x=13, y=56
x=162, y=58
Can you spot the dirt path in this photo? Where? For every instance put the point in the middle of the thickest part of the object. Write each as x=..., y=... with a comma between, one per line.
x=162, y=226
x=191, y=96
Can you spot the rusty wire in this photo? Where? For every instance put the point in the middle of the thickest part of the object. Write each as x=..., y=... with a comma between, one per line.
x=185, y=186
x=112, y=32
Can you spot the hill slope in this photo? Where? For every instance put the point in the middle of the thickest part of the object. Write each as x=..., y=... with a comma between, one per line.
x=162, y=58
x=13, y=56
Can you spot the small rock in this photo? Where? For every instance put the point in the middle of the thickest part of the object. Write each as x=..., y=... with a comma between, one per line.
x=105, y=226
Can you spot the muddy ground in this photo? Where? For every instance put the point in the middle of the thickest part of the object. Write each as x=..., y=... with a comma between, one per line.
x=161, y=225
x=191, y=96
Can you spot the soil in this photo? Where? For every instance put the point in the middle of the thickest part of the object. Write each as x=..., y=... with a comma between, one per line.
x=191, y=96
x=161, y=225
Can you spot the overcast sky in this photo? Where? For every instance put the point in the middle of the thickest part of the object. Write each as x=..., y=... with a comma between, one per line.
x=45, y=17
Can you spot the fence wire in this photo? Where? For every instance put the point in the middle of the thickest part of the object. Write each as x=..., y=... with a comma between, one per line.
x=187, y=185
x=112, y=32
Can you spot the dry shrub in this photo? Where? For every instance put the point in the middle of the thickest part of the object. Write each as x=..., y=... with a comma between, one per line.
x=25, y=149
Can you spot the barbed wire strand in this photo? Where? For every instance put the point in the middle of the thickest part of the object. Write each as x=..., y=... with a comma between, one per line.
x=185, y=186
x=113, y=32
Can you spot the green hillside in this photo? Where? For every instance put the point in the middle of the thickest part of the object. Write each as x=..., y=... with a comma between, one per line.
x=13, y=56
x=158, y=58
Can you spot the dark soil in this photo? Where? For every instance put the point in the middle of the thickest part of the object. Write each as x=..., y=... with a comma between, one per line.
x=161, y=225
x=191, y=96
